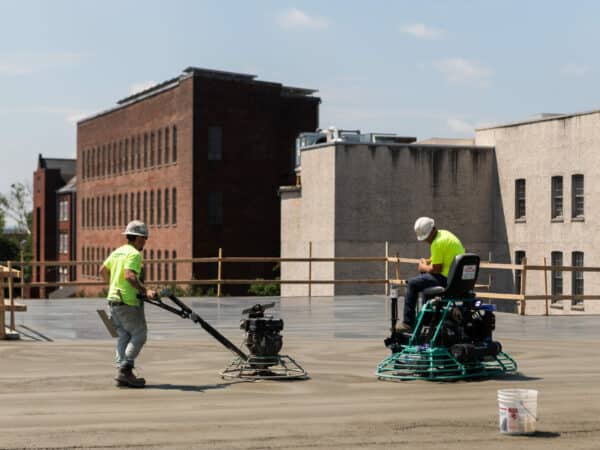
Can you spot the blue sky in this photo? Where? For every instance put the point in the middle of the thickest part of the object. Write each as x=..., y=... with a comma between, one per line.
x=424, y=69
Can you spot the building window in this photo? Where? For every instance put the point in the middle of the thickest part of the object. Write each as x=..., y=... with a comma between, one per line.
x=520, y=199
x=158, y=265
x=97, y=212
x=158, y=206
x=166, y=206
x=174, y=154
x=126, y=155
x=114, y=210
x=557, y=198
x=159, y=149
x=83, y=212
x=577, y=277
x=167, y=145
x=139, y=153
x=125, y=215
x=151, y=265
x=519, y=257
x=577, y=196
x=215, y=208
x=174, y=271
x=145, y=211
x=115, y=157
x=138, y=207
x=166, y=265
x=215, y=143
x=120, y=157
x=557, y=275
x=132, y=206
x=120, y=211
x=151, y=207
x=145, y=150
x=63, y=243
x=63, y=210
x=152, y=149
x=174, y=201
x=103, y=211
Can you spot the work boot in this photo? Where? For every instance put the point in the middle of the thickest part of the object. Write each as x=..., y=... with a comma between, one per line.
x=404, y=328
x=126, y=378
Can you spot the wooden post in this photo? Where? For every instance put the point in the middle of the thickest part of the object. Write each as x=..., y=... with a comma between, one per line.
x=309, y=268
x=11, y=297
x=22, y=274
x=2, y=322
x=387, y=269
x=397, y=266
x=523, y=283
x=546, y=286
x=219, y=269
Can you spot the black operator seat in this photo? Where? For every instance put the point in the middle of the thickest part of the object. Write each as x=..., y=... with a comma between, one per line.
x=461, y=279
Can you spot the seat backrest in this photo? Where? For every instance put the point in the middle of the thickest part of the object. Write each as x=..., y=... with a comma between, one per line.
x=462, y=275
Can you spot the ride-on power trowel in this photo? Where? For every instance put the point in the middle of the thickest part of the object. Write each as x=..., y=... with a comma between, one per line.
x=262, y=338
x=452, y=338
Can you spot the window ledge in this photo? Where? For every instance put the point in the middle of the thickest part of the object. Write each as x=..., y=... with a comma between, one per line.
x=521, y=220
x=557, y=220
x=578, y=219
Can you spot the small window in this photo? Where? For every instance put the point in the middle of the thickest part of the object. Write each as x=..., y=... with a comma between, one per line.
x=139, y=152
x=126, y=155
x=145, y=150
x=145, y=212
x=120, y=211
x=63, y=243
x=519, y=257
x=158, y=265
x=138, y=207
x=125, y=211
x=557, y=198
x=174, y=271
x=577, y=197
x=215, y=143
x=114, y=210
x=166, y=206
x=151, y=277
x=166, y=265
x=159, y=149
x=63, y=210
x=174, y=202
x=152, y=149
x=158, y=206
x=577, y=277
x=215, y=208
x=557, y=275
x=174, y=154
x=151, y=207
x=166, y=145
x=520, y=199
x=120, y=157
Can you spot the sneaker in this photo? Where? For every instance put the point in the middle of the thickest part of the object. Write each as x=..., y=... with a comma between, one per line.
x=403, y=328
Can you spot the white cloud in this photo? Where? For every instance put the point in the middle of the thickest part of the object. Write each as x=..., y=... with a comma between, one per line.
x=28, y=64
x=574, y=70
x=462, y=70
x=460, y=126
x=141, y=86
x=422, y=31
x=294, y=18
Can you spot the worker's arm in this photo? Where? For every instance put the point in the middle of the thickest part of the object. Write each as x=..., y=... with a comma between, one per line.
x=425, y=266
x=105, y=273
x=132, y=279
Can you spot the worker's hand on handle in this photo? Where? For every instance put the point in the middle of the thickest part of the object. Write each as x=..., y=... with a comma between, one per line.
x=150, y=293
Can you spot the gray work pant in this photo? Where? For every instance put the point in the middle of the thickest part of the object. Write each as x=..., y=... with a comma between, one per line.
x=130, y=323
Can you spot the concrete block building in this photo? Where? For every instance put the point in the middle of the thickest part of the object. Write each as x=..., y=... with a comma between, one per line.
x=199, y=158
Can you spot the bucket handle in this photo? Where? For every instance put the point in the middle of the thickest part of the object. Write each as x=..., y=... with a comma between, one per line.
x=527, y=410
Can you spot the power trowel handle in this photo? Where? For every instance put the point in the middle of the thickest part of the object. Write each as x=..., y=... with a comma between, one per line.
x=394, y=306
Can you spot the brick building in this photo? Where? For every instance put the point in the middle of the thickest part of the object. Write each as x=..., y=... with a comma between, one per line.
x=50, y=176
x=199, y=158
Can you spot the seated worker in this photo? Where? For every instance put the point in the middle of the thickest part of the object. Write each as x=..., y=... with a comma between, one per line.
x=433, y=271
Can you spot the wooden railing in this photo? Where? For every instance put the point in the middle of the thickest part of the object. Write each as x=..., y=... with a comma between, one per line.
x=391, y=263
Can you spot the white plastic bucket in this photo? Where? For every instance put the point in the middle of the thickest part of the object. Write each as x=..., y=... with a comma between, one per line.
x=518, y=410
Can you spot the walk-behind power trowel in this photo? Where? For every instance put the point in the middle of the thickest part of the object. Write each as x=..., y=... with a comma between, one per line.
x=262, y=338
x=452, y=338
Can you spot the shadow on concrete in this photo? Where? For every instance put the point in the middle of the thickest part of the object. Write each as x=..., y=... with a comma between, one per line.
x=545, y=434
x=186, y=387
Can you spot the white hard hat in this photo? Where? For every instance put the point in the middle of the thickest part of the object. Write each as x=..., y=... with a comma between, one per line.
x=136, y=228
x=423, y=227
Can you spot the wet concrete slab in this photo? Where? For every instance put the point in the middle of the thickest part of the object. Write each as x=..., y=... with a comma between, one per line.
x=343, y=317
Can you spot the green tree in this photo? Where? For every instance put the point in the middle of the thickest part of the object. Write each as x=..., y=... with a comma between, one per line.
x=17, y=206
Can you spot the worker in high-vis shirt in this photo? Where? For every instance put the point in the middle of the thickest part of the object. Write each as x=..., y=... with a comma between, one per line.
x=433, y=271
x=122, y=270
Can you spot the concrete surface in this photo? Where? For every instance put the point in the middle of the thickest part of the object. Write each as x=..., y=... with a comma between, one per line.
x=60, y=394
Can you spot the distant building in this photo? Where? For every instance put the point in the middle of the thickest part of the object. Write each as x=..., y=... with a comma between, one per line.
x=355, y=196
x=199, y=158
x=50, y=176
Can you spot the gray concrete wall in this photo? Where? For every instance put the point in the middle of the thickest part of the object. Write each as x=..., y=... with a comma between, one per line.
x=354, y=198
x=381, y=190
x=537, y=151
